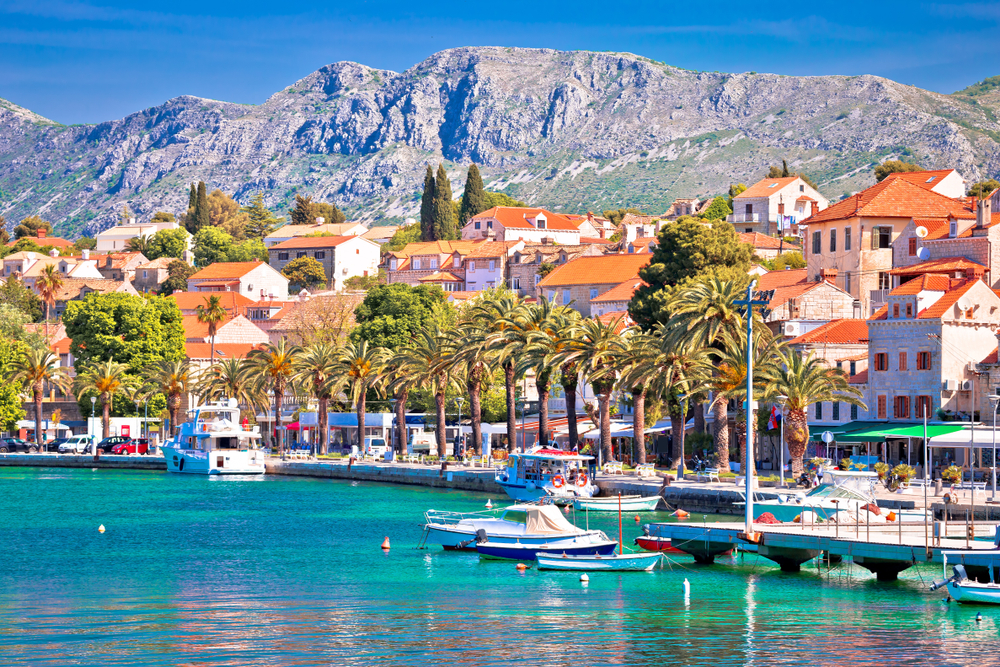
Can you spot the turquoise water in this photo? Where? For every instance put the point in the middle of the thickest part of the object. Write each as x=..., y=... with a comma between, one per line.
x=279, y=571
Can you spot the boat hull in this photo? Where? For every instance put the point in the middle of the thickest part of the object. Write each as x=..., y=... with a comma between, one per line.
x=617, y=563
x=451, y=537
x=611, y=504
x=661, y=544
x=522, y=552
x=970, y=592
x=528, y=493
x=214, y=462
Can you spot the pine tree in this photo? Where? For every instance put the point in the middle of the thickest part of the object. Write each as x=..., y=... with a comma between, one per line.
x=427, y=208
x=302, y=214
x=201, y=217
x=444, y=213
x=474, y=197
x=262, y=221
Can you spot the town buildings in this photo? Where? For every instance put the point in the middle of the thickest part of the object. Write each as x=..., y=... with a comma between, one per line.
x=116, y=238
x=341, y=257
x=254, y=280
x=532, y=225
x=576, y=284
x=774, y=205
x=288, y=232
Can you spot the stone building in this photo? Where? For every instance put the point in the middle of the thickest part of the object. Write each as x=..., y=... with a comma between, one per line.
x=120, y=265
x=149, y=276
x=764, y=204
x=579, y=282
x=341, y=257
x=616, y=299
x=513, y=223
x=841, y=343
x=800, y=305
x=423, y=259
x=525, y=263
x=768, y=247
x=236, y=329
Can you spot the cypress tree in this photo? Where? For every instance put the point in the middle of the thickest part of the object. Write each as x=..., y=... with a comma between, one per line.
x=427, y=208
x=444, y=212
x=193, y=197
x=784, y=169
x=201, y=218
x=189, y=217
x=474, y=197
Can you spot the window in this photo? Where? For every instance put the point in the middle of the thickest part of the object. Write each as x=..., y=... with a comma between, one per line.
x=416, y=264
x=901, y=408
x=593, y=293
x=847, y=275
x=922, y=407
x=819, y=411
x=320, y=254
x=953, y=228
x=853, y=368
x=817, y=242
x=392, y=264
x=781, y=209
x=881, y=361
x=540, y=223
x=833, y=240
x=923, y=361
x=847, y=238
x=836, y=411
x=895, y=311
x=802, y=188
x=749, y=209
x=249, y=287
x=299, y=254
x=489, y=224
x=913, y=247
x=145, y=274
x=515, y=283
x=478, y=224
x=434, y=262
x=472, y=265
x=884, y=280
x=881, y=238
x=909, y=310
x=902, y=361
x=566, y=298
x=881, y=407
x=551, y=295
x=493, y=265
x=284, y=255
x=854, y=412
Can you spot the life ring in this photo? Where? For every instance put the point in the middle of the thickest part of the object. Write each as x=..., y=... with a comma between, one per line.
x=582, y=479
x=558, y=481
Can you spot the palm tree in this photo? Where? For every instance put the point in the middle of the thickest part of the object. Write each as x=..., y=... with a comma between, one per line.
x=473, y=358
x=48, y=285
x=231, y=378
x=496, y=308
x=317, y=370
x=213, y=314
x=272, y=367
x=173, y=379
x=540, y=325
x=361, y=367
x=569, y=372
x=33, y=369
x=399, y=381
x=425, y=362
x=805, y=380
x=140, y=244
x=637, y=362
x=104, y=378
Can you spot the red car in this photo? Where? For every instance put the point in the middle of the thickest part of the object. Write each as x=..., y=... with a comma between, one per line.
x=134, y=446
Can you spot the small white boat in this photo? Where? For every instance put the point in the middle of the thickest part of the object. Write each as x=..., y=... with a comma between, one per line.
x=628, y=504
x=528, y=525
x=213, y=442
x=547, y=473
x=970, y=591
x=615, y=562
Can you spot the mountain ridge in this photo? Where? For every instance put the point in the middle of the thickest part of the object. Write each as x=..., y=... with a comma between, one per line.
x=571, y=130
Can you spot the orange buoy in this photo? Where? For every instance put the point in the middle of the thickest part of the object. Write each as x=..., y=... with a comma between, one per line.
x=385, y=544
x=637, y=518
x=681, y=514
x=521, y=567
x=101, y=529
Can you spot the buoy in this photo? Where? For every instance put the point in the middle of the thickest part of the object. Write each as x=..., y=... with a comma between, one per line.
x=687, y=588
x=101, y=529
x=489, y=504
x=566, y=509
x=584, y=578
x=979, y=617
x=385, y=544
x=521, y=567
x=681, y=514
x=637, y=518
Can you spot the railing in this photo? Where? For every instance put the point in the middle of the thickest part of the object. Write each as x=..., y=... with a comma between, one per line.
x=879, y=296
x=744, y=217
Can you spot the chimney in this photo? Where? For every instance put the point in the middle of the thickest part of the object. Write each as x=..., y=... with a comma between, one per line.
x=131, y=221
x=983, y=213
x=53, y=253
x=828, y=275
x=40, y=233
x=85, y=254
x=107, y=261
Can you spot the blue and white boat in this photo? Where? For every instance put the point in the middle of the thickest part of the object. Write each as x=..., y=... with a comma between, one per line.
x=212, y=442
x=526, y=525
x=613, y=563
x=531, y=552
x=548, y=473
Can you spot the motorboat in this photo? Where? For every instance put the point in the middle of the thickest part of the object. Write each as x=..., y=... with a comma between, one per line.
x=531, y=552
x=613, y=504
x=523, y=524
x=547, y=473
x=636, y=562
x=212, y=442
x=661, y=544
x=846, y=491
x=966, y=590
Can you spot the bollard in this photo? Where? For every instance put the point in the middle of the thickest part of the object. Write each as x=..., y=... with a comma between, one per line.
x=938, y=486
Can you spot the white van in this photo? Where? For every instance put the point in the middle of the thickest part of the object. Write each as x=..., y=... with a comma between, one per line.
x=375, y=446
x=77, y=444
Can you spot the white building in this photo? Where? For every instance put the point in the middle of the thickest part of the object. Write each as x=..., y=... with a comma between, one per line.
x=116, y=239
x=342, y=257
x=760, y=207
x=254, y=280
x=288, y=232
x=532, y=225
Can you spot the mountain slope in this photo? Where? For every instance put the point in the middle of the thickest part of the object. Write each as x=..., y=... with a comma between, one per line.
x=572, y=130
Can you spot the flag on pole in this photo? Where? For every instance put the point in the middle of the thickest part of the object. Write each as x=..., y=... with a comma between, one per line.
x=775, y=419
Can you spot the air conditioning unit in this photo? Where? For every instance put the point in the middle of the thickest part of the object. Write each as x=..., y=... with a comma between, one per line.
x=950, y=385
x=966, y=385
x=972, y=367
x=792, y=329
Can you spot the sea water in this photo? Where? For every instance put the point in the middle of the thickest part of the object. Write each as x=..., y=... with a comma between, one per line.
x=283, y=571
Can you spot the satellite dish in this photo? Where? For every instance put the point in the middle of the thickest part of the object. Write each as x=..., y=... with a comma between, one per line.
x=922, y=232
x=923, y=254
x=965, y=303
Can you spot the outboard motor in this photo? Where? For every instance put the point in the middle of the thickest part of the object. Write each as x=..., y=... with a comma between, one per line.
x=480, y=538
x=959, y=575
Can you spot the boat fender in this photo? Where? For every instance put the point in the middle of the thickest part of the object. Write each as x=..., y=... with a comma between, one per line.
x=582, y=479
x=180, y=466
x=558, y=481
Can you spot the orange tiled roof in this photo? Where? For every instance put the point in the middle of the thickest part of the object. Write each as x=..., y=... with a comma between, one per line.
x=776, y=279
x=158, y=263
x=943, y=265
x=622, y=292
x=589, y=239
x=515, y=217
x=926, y=282
x=758, y=240
x=836, y=332
x=893, y=198
x=601, y=270
x=990, y=358
x=195, y=329
x=53, y=241
x=785, y=292
x=950, y=298
x=923, y=179
x=623, y=318
x=766, y=187
x=441, y=277
x=226, y=270
x=936, y=227
x=222, y=350
x=880, y=314
x=435, y=248
x=231, y=301
x=311, y=242
x=859, y=378
x=492, y=249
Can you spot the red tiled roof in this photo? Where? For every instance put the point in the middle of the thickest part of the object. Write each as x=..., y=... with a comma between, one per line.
x=766, y=187
x=61, y=346
x=515, y=217
x=441, y=277
x=222, y=350
x=924, y=179
x=492, y=249
x=776, y=279
x=893, y=198
x=950, y=298
x=195, y=329
x=943, y=265
x=622, y=292
x=860, y=378
x=836, y=332
x=880, y=314
x=435, y=248
x=623, y=318
x=990, y=358
x=804, y=198
x=231, y=301
x=589, y=239
x=601, y=270
x=218, y=283
x=927, y=282
x=227, y=270
x=311, y=242
x=53, y=241
x=758, y=240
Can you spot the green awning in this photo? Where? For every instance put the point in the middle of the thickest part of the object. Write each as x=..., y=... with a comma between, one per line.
x=917, y=430
x=816, y=431
x=872, y=432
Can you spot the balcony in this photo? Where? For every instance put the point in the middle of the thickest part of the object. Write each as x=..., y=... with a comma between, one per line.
x=878, y=298
x=744, y=217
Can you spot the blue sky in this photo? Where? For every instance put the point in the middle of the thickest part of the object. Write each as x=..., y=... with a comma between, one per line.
x=87, y=61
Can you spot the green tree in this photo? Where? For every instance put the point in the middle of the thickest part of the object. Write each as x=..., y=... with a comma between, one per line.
x=211, y=245
x=126, y=215
x=224, y=212
x=172, y=379
x=306, y=212
x=365, y=283
x=318, y=370
x=30, y=226
x=36, y=368
x=139, y=244
x=474, y=197
x=792, y=260
x=231, y=378
x=212, y=314
x=687, y=250
x=501, y=199
x=192, y=199
x=734, y=191
x=390, y=315
x=14, y=293
x=444, y=212
x=783, y=172
x=178, y=272
x=304, y=273
x=168, y=243
x=361, y=366
x=84, y=243
x=403, y=237
x=48, y=285
x=163, y=216
x=4, y=234
x=427, y=207
x=11, y=403
x=260, y=220
x=616, y=215
x=894, y=167
x=105, y=380
x=717, y=210
x=273, y=367
x=984, y=188
x=201, y=210
x=248, y=251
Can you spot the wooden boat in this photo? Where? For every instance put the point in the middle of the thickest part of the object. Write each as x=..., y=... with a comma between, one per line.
x=531, y=551
x=661, y=544
x=613, y=563
x=628, y=504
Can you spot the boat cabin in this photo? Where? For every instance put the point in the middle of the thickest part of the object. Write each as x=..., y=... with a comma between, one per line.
x=543, y=465
x=216, y=426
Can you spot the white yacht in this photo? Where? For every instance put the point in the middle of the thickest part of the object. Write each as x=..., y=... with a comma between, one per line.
x=548, y=474
x=212, y=442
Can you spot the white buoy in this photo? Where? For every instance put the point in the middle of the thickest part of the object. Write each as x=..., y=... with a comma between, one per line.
x=101, y=528
x=979, y=617
x=489, y=504
x=687, y=588
x=584, y=578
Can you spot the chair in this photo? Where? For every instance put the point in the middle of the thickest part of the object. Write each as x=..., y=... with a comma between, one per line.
x=645, y=470
x=613, y=468
x=708, y=475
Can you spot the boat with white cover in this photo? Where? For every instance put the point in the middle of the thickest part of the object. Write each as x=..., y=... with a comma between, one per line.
x=547, y=473
x=531, y=525
x=628, y=504
x=615, y=563
x=212, y=442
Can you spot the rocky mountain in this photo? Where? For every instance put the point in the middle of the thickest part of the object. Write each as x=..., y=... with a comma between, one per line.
x=573, y=131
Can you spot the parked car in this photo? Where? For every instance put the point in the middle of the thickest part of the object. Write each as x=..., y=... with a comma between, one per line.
x=133, y=446
x=375, y=446
x=16, y=445
x=108, y=444
x=77, y=444
x=54, y=445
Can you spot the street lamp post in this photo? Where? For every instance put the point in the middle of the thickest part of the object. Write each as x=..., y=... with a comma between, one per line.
x=600, y=430
x=996, y=404
x=93, y=436
x=781, y=464
x=140, y=427
x=458, y=439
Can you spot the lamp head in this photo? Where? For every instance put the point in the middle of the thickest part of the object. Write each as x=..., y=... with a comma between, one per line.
x=994, y=397
x=93, y=399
